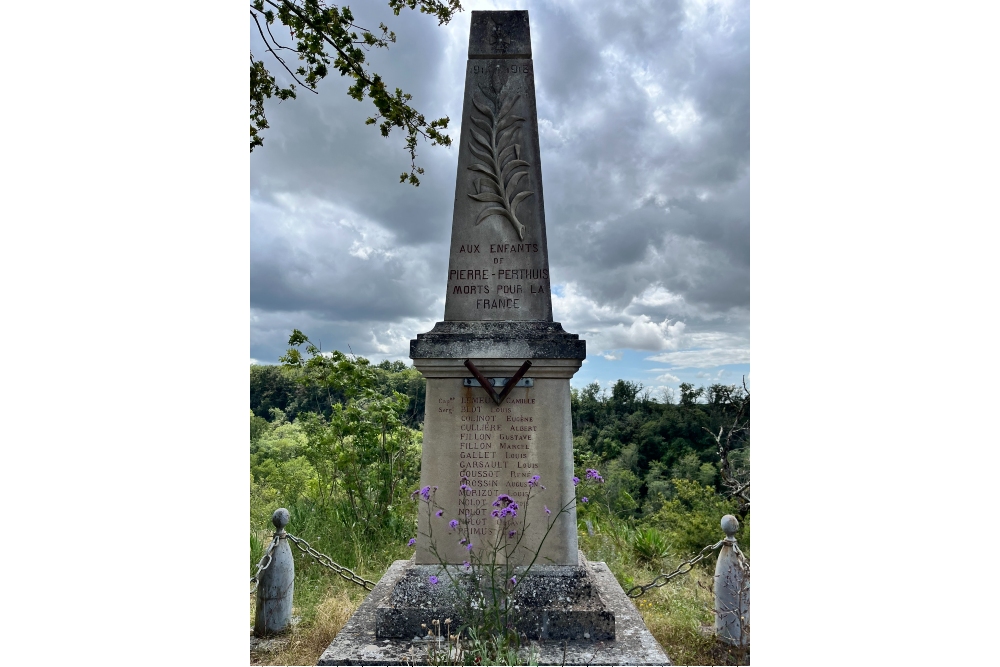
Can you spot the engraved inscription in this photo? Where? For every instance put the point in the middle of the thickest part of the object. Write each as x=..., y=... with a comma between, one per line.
x=500, y=155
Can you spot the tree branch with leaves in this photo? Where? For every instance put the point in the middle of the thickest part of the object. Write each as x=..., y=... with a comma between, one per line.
x=327, y=33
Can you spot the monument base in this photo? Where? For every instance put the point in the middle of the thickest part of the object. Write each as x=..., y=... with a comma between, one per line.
x=553, y=602
x=359, y=643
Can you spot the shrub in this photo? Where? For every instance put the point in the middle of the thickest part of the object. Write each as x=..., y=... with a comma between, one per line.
x=691, y=519
x=650, y=545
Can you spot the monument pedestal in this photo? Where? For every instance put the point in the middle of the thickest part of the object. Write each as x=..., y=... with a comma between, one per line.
x=552, y=602
x=475, y=450
x=358, y=642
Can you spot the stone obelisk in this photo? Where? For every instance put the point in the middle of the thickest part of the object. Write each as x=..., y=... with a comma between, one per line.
x=498, y=406
x=497, y=317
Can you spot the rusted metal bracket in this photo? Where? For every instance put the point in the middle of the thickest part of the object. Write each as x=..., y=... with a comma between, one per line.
x=485, y=383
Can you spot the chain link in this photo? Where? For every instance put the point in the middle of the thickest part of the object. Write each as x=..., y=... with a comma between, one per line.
x=262, y=565
x=326, y=561
x=689, y=563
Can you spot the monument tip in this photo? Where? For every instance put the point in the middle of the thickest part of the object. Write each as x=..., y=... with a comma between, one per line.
x=500, y=35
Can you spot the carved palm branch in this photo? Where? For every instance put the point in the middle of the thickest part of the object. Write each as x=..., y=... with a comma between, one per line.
x=500, y=158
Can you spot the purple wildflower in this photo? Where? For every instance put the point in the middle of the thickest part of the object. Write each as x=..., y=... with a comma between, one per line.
x=463, y=488
x=432, y=579
x=468, y=547
x=547, y=510
x=508, y=507
x=412, y=541
x=426, y=492
x=467, y=565
x=512, y=533
x=594, y=475
x=439, y=513
x=584, y=499
x=576, y=480
x=462, y=541
x=513, y=580
x=453, y=524
x=534, y=480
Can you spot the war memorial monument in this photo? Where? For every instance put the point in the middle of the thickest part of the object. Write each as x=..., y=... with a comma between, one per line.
x=498, y=372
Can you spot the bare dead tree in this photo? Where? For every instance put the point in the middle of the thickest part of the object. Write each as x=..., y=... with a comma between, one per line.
x=733, y=437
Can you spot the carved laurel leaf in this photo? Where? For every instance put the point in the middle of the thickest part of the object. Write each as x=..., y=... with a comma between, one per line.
x=481, y=154
x=481, y=139
x=482, y=123
x=486, y=170
x=521, y=196
x=507, y=106
x=483, y=108
x=505, y=153
x=507, y=122
x=509, y=133
x=493, y=211
x=488, y=196
x=499, y=153
x=515, y=178
x=510, y=166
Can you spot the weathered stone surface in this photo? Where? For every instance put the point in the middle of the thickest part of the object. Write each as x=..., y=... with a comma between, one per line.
x=732, y=589
x=497, y=449
x=531, y=339
x=357, y=644
x=276, y=586
x=498, y=267
x=500, y=35
x=550, y=602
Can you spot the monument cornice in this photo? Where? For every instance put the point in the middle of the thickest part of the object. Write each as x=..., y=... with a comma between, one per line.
x=497, y=367
x=524, y=339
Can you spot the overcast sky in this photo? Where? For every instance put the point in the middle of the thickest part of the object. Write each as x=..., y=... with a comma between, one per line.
x=644, y=126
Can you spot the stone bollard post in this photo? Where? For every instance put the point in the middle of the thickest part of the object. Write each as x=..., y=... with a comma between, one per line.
x=274, y=590
x=732, y=589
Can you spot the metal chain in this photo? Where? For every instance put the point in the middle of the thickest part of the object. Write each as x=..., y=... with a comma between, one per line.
x=262, y=565
x=690, y=563
x=326, y=561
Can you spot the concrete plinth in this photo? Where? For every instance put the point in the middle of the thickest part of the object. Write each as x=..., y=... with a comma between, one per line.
x=358, y=644
x=550, y=602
